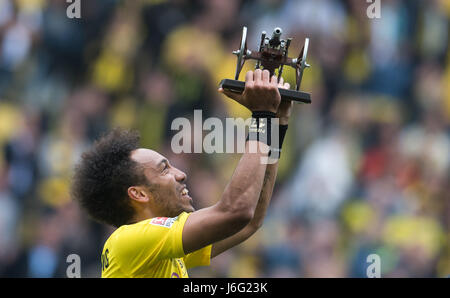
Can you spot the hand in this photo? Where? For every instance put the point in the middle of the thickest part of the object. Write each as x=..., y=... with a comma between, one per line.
x=260, y=93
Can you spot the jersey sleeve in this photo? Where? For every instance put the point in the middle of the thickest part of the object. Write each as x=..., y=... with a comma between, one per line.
x=201, y=257
x=140, y=245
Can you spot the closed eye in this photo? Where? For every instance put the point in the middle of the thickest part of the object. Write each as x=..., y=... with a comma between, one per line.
x=165, y=167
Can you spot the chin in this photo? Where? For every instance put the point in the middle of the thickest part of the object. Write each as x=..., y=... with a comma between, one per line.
x=189, y=209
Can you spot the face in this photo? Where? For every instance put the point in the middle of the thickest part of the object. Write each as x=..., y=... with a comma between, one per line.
x=166, y=192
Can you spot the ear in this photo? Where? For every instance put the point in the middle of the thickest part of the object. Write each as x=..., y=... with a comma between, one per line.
x=138, y=193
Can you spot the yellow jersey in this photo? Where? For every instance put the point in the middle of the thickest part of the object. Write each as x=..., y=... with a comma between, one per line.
x=151, y=248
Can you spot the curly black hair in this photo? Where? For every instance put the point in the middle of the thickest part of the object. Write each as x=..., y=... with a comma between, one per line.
x=104, y=174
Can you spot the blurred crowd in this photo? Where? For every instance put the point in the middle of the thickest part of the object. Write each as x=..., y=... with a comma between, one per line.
x=365, y=168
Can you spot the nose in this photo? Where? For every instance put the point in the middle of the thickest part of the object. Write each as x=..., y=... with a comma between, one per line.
x=180, y=176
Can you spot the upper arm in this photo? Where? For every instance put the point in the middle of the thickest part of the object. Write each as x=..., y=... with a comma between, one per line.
x=209, y=225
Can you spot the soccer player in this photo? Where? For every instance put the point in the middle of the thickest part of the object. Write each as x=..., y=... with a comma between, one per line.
x=137, y=190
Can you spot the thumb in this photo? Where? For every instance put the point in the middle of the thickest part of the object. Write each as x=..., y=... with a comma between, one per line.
x=233, y=95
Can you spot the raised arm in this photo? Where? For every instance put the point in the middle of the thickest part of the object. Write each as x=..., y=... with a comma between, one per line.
x=270, y=175
x=237, y=206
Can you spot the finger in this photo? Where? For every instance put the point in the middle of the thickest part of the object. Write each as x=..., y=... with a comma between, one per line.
x=286, y=86
x=281, y=82
x=258, y=76
x=266, y=76
x=226, y=92
x=274, y=80
x=249, y=76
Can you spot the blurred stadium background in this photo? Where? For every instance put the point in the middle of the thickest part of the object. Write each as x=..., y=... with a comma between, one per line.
x=365, y=169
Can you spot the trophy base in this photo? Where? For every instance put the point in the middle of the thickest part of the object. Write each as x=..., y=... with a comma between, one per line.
x=286, y=94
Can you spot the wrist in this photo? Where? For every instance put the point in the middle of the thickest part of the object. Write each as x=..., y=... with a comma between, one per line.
x=276, y=148
x=261, y=126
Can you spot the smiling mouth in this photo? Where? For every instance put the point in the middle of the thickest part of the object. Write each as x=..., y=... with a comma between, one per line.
x=185, y=194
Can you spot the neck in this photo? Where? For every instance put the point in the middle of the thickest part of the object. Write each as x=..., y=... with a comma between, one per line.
x=143, y=214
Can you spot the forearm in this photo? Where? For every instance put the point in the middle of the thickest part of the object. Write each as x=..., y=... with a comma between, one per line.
x=266, y=191
x=258, y=217
x=264, y=197
x=242, y=193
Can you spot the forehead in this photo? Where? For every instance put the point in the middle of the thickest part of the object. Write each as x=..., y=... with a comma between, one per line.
x=147, y=156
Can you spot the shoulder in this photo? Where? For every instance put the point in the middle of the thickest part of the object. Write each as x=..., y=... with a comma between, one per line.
x=141, y=244
x=147, y=229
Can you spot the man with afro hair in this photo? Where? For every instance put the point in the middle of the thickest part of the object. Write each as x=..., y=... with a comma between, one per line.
x=138, y=191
